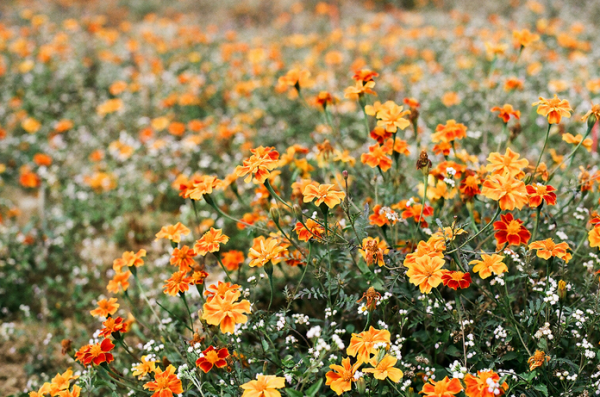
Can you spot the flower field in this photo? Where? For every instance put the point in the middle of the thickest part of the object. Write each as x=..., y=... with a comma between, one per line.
x=266, y=199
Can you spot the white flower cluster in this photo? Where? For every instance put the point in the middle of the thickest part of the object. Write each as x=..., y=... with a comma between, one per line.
x=280, y=321
x=544, y=332
x=588, y=348
x=515, y=258
x=338, y=341
x=449, y=179
x=314, y=332
x=457, y=370
x=500, y=333
x=565, y=375
x=581, y=213
x=390, y=214
x=300, y=319
x=493, y=387
x=329, y=312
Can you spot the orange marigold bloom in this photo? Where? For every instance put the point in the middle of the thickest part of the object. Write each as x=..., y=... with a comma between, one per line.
x=377, y=157
x=594, y=237
x=183, y=257
x=506, y=111
x=548, y=248
x=359, y=89
x=198, y=186
x=595, y=111
x=397, y=145
x=507, y=164
x=537, y=360
x=488, y=265
x=469, y=186
x=443, y=388
x=323, y=193
x=145, y=367
x=575, y=140
x=312, y=230
x=128, y=259
x=365, y=75
x=508, y=191
x=341, y=378
x=373, y=250
x=232, y=259
x=119, y=280
x=173, y=232
x=263, y=386
x=266, y=250
x=414, y=211
x=554, y=109
x=449, y=132
x=259, y=165
x=212, y=357
x=511, y=231
x=198, y=277
x=225, y=311
x=384, y=369
x=29, y=179
x=210, y=242
x=478, y=386
x=219, y=289
x=178, y=283
x=411, y=102
x=296, y=78
x=165, y=383
x=390, y=117
x=513, y=83
x=379, y=217
x=112, y=325
x=424, y=248
x=380, y=134
x=539, y=192
x=105, y=308
x=426, y=272
x=524, y=37
x=97, y=353
x=456, y=279
x=42, y=159
x=362, y=345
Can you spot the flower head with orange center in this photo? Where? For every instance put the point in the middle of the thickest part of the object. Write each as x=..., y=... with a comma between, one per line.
x=296, y=78
x=219, y=289
x=226, y=311
x=210, y=242
x=507, y=190
x=263, y=386
x=119, y=280
x=469, y=186
x=359, y=89
x=385, y=369
x=547, y=249
x=266, y=250
x=414, y=211
x=537, y=360
x=341, y=378
x=426, y=272
x=259, y=165
x=179, y=282
x=143, y=368
x=507, y=164
x=379, y=216
x=323, y=193
x=312, y=230
x=538, y=193
x=373, y=250
x=489, y=264
x=449, y=132
x=554, y=109
x=173, y=232
x=97, y=353
x=443, y=388
x=112, y=325
x=380, y=134
x=183, y=257
x=362, y=345
x=594, y=237
x=165, y=383
x=198, y=277
x=480, y=386
x=396, y=146
x=105, y=308
x=377, y=157
x=198, y=186
x=365, y=75
x=506, y=111
x=577, y=139
x=212, y=357
x=510, y=230
x=424, y=248
x=525, y=38
x=232, y=260
x=391, y=117
x=456, y=279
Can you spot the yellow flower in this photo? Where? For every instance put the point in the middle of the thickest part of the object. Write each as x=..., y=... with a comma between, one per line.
x=385, y=369
x=488, y=265
x=426, y=272
x=554, y=109
x=263, y=386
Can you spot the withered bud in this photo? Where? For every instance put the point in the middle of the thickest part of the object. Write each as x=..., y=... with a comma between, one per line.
x=414, y=115
x=515, y=131
x=66, y=346
x=423, y=163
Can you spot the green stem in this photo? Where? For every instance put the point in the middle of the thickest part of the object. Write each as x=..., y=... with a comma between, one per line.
x=182, y=295
x=541, y=153
x=481, y=231
x=275, y=195
x=223, y=267
x=570, y=156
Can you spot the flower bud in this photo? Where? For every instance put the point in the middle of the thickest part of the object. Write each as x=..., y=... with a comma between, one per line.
x=562, y=289
x=361, y=386
x=297, y=211
x=345, y=174
x=591, y=120
x=274, y=211
x=423, y=163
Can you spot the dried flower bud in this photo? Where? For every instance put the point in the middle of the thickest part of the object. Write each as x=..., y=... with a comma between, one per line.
x=345, y=174
x=414, y=115
x=562, y=289
x=515, y=131
x=66, y=346
x=423, y=163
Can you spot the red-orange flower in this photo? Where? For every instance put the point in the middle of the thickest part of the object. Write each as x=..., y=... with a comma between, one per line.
x=456, y=279
x=259, y=165
x=478, y=386
x=210, y=242
x=97, y=353
x=443, y=388
x=232, y=259
x=377, y=157
x=342, y=376
x=449, y=132
x=198, y=186
x=506, y=111
x=548, y=248
x=183, y=257
x=511, y=231
x=165, y=383
x=212, y=357
x=112, y=325
x=312, y=230
x=414, y=211
x=539, y=192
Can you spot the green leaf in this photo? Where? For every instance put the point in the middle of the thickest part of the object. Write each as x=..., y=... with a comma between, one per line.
x=294, y=393
x=541, y=388
x=453, y=351
x=312, y=391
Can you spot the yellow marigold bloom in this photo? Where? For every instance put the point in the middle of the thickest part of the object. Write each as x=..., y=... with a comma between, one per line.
x=390, y=117
x=323, y=193
x=424, y=248
x=507, y=164
x=426, y=272
x=61, y=382
x=110, y=106
x=439, y=238
x=128, y=259
x=198, y=186
x=165, y=384
x=488, y=265
x=31, y=125
x=145, y=367
x=342, y=376
x=226, y=311
x=385, y=369
x=359, y=89
x=173, y=232
x=548, y=248
x=363, y=345
x=266, y=250
x=594, y=237
x=524, y=37
x=210, y=242
x=594, y=111
x=554, y=109
x=373, y=250
x=296, y=78
x=537, y=360
x=449, y=132
x=511, y=193
x=263, y=386
x=575, y=140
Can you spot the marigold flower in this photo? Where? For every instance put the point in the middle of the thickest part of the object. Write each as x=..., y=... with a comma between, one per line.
x=198, y=186
x=506, y=111
x=380, y=134
x=296, y=78
x=554, y=109
x=507, y=164
x=390, y=117
x=323, y=193
x=212, y=357
x=539, y=192
x=414, y=212
x=443, y=388
x=225, y=311
x=312, y=230
x=198, y=277
x=128, y=259
x=266, y=250
x=259, y=165
x=263, y=386
x=119, y=280
x=112, y=325
x=232, y=259
x=219, y=289
x=537, y=360
x=145, y=367
x=97, y=353
x=575, y=140
x=105, y=308
x=548, y=248
x=341, y=378
x=594, y=237
x=424, y=248
x=488, y=265
x=210, y=242
x=524, y=38
x=183, y=257
x=508, y=191
x=384, y=369
x=449, y=132
x=511, y=231
x=359, y=89
x=377, y=157
x=362, y=345
x=165, y=383
x=179, y=282
x=365, y=75
x=396, y=146
x=594, y=112
x=469, y=186
x=479, y=386
x=426, y=272
x=456, y=279
x=379, y=216
x=373, y=250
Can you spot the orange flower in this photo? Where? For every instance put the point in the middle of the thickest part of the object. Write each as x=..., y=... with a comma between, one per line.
x=119, y=280
x=506, y=111
x=183, y=257
x=97, y=353
x=384, y=369
x=42, y=159
x=312, y=230
x=398, y=145
x=377, y=157
x=508, y=191
x=414, y=211
x=28, y=178
x=226, y=311
x=539, y=192
x=488, y=265
x=219, y=289
x=323, y=193
x=411, y=102
x=232, y=259
x=198, y=186
x=449, y=132
x=595, y=111
x=379, y=217
x=178, y=283
x=210, y=242
x=511, y=231
x=373, y=250
x=537, y=360
x=524, y=37
x=575, y=140
x=198, y=277
x=365, y=75
x=105, y=308
x=296, y=78
x=548, y=248
x=424, y=248
x=594, y=237
x=554, y=109
x=478, y=386
x=359, y=89
x=362, y=345
x=145, y=367
x=212, y=357
x=112, y=325
x=263, y=386
x=507, y=164
x=380, y=134
x=266, y=250
x=165, y=383
x=456, y=279
x=469, y=186
x=128, y=259
x=259, y=165
x=342, y=376
x=443, y=388
x=390, y=117
x=426, y=272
